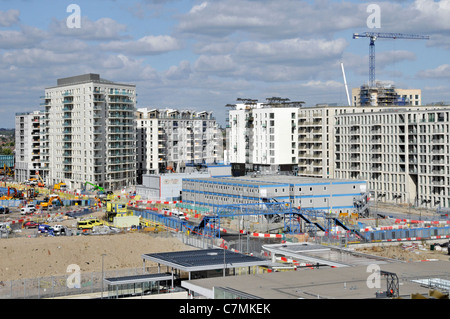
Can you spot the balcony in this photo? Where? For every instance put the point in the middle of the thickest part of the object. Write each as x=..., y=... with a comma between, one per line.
x=119, y=92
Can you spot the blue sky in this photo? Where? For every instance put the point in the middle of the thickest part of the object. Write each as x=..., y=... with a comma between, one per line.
x=202, y=55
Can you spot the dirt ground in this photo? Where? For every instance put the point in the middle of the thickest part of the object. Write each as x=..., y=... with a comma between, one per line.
x=49, y=256
x=407, y=252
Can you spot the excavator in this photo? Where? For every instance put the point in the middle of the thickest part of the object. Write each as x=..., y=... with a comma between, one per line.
x=53, y=198
x=17, y=194
x=41, y=182
x=6, y=171
x=96, y=187
x=170, y=169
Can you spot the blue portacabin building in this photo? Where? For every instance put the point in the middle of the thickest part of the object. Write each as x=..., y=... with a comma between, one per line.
x=330, y=195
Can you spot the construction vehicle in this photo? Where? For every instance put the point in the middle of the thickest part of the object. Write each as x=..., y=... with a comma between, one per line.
x=6, y=171
x=7, y=195
x=5, y=228
x=32, y=193
x=115, y=209
x=51, y=202
x=96, y=187
x=170, y=169
x=60, y=186
x=41, y=182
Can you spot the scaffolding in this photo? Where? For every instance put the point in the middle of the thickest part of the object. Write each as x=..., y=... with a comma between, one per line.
x=380, y=95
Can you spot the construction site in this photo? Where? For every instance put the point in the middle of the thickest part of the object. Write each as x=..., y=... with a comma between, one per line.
x=132, y=248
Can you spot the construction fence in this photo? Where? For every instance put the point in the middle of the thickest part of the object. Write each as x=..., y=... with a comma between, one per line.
x=63, y=286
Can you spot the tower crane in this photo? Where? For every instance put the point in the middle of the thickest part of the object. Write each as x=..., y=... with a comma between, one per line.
x=373, y=36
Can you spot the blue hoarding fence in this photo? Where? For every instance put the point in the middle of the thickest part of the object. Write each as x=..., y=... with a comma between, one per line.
x=172, y=223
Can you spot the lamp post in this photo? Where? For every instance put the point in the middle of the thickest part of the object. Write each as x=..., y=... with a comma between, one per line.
x=103, y=274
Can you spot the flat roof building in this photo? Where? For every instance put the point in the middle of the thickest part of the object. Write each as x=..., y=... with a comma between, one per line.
x=27, y=143
x=88, y=132
x=406, y=280
x=311, y=193
x=168, y=140
x=401, y=153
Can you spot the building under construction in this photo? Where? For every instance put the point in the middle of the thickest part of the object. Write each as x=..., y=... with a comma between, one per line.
x=385, y=95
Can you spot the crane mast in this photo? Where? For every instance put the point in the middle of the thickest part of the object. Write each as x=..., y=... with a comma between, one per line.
x=373, y=36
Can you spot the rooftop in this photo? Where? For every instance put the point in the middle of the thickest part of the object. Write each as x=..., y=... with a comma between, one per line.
x=328, y=283
x=278, y=179
x=206, y=259
x=85, y=78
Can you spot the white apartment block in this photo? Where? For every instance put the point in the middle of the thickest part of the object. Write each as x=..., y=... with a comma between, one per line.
x=27, y=141
x=168, y=140
x=270, y=138
x=263, y=136
x=88, y=133
x=403, y=153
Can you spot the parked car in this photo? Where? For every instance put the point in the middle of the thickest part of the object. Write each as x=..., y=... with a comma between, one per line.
x=45, y=229
x=59, y=230
x=29, y=209
x=30, y=224
x=88, y=223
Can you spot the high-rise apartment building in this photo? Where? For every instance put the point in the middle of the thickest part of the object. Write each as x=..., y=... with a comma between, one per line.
x=403, y=153
x=168, y=140
x=275, y=137
x=399, y=150
x=88, y=132
x=263, y=136
x=27, y=144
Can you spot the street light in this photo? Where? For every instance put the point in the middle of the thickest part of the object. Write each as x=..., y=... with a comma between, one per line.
x=103, y=274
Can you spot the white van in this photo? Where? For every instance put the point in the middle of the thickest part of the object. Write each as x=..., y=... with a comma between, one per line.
x=29, y=209
x=178, y=214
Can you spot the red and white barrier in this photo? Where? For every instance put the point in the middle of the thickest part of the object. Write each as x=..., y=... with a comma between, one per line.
x=426, y=222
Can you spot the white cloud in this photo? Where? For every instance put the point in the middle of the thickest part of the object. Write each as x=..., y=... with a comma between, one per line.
x=102, y=29
x=215, y=64
x=182, y=71
x=9, y=18
x=147, y=45
x=292, y=50
x=272, y=19
x=27, y=37
x=322, y=84
x=440, y=72
x=198, y=8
